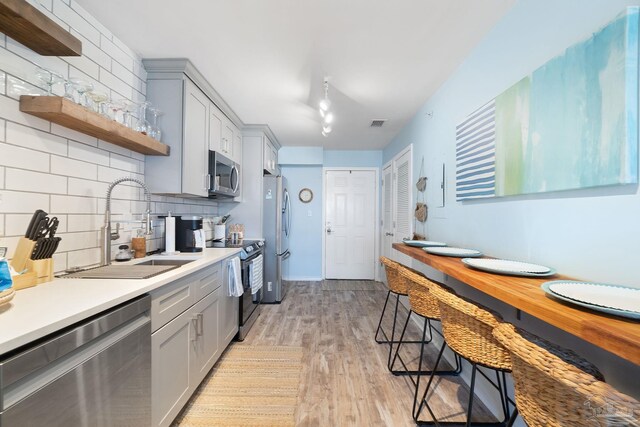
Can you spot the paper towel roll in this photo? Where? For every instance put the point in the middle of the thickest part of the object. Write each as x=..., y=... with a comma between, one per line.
x=219, y=232
x=170, y=234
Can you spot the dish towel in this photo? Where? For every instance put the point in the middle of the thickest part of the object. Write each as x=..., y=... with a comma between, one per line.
x=255, y=274
x=235, y=281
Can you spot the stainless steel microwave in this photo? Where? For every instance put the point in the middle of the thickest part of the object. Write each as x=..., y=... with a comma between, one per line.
x=224, y=176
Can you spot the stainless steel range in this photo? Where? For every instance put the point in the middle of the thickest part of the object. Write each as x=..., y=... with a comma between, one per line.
x=251, y=262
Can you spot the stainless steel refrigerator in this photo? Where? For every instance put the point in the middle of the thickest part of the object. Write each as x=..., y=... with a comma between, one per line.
x=276, y=229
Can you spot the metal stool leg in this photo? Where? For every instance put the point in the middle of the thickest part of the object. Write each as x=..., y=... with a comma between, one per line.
x=380, y=322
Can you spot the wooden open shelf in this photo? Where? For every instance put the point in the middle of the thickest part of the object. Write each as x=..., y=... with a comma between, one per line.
x=73, y=116
x=27, y=25
x=618, y=335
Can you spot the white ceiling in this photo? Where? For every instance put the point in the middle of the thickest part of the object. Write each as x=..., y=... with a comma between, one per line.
x=268, y=58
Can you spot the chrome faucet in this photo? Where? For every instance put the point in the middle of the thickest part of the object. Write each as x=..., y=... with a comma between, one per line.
x=107, y=235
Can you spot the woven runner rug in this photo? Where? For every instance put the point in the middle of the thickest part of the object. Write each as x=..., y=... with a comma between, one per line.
x=249, y=386
x=353, y=285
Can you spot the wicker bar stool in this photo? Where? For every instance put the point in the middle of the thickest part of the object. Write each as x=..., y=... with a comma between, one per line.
x=425, y=305
x=467, y=329
x=556, y=387
x=398, y=287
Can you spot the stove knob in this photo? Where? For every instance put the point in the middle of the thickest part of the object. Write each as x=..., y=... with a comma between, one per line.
x=249, y=249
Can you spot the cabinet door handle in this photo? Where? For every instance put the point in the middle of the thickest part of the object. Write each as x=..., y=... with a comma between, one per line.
x=208, y=181
x=194, y=322
x=200, y=330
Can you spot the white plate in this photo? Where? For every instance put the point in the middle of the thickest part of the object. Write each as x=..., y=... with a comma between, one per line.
x=455, y=252
x=422, y=243
x=503, y=266
x=600, y=294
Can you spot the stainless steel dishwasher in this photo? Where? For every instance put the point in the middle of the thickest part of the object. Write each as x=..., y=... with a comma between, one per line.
x=96, y=373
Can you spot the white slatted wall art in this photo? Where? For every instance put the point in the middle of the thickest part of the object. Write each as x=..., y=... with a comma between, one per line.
x=476, y=154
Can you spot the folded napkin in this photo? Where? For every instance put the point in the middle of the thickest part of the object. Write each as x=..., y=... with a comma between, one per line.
x=256, y=274
x=235, y=280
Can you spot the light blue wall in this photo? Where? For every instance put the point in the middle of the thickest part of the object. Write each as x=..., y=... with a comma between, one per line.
x=305, y=241
x=300, y=156
x=591, y=234
x=352, y=158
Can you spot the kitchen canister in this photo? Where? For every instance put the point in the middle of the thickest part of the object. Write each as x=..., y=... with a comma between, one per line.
x=219, y=232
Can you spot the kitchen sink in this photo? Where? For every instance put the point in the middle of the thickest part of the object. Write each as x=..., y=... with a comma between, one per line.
x=177, y=262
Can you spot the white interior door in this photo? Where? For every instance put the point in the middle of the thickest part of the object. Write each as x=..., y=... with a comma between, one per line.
x=397, y=207
x=350, y=213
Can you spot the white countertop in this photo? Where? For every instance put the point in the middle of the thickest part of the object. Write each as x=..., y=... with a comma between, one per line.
x=46, y=308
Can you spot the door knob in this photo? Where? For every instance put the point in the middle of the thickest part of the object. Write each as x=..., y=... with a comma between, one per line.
x=388, y=234
x=329, y=230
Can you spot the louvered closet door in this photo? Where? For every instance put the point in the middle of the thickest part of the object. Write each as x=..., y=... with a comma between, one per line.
x=402, y=204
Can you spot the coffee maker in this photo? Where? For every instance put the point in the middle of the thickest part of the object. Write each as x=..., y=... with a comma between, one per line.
x=190, y=236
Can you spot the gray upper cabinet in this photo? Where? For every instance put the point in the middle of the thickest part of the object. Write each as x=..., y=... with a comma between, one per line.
x=196, y=119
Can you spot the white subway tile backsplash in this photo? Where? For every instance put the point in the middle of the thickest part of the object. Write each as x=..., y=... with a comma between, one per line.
x=71, y=167
x=118, y=206
x=116, y=53
x=35, y=139
x=106, y=174
x=2, y=83
x=1, y=178
x=84, y=64
x=84, y=257
x=3, y=125
x=83, y=187
x=59, y=262
x=23, y=180
x=19, y=202
x=1, y=225
x=71, y=17
x=88, y=153
x=115, y=84
x=84, y=222
x=72, y=134
x=73, y=205
x=16, y=224
x=125, y=75
x=10, y=110
x=125, y=163
x=19, y=157
x=49, y=62
x=77, y=241
x=93, y=52
x=74, y=72
x=62, y=221
x=17, y=88
x=139, y=71
x=114, y=148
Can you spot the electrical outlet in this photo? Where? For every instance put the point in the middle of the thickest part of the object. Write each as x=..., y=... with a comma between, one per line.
x=269, y=286
x=309, y=212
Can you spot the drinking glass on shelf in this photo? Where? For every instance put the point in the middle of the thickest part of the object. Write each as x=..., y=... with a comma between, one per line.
x=49, y=78
x=75, y=89
x=141, y=124
x=127, y=117
x=154, y=130
x=95, y=99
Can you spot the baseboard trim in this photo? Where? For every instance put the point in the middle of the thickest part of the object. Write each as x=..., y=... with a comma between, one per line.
x=303, y=279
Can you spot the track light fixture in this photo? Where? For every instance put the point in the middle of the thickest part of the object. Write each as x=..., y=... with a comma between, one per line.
x=324, y=108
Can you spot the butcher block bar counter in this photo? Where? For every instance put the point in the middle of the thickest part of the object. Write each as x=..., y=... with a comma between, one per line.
x=615, y=334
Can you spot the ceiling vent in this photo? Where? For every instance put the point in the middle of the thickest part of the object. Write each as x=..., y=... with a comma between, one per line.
x=377, y=123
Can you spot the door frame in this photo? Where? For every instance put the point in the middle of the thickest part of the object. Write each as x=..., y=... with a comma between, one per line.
x=376, y=234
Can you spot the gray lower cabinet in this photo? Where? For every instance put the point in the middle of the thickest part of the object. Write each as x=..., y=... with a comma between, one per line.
x=193, y=320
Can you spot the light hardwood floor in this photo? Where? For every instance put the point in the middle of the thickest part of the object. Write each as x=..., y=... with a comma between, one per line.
x=345, y=381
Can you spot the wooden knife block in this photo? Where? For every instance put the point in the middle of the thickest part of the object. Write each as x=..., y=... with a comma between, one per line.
x=22, y=254
x=38, y=271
